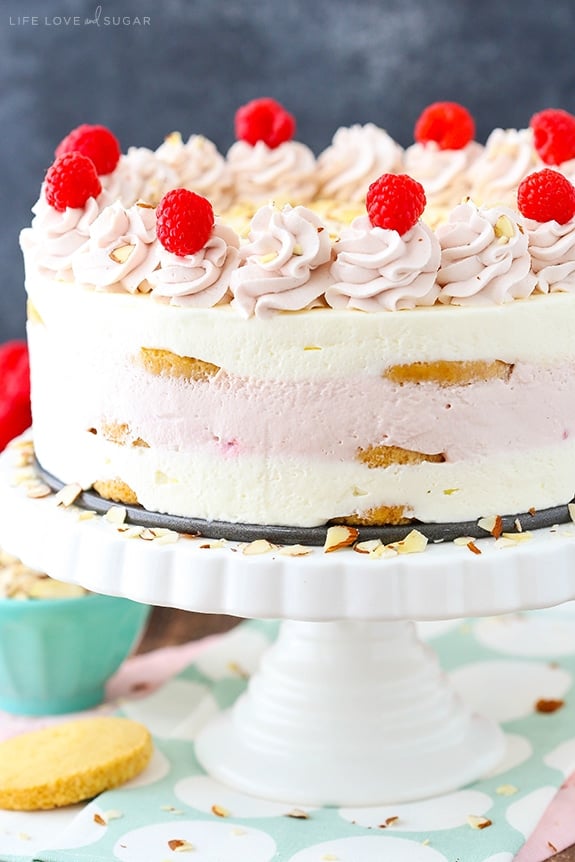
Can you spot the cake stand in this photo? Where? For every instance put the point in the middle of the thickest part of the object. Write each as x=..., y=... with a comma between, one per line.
x=349, y=707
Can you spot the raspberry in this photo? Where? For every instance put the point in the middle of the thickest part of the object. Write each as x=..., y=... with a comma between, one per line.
x=96, y=142
x=264, y=120
x=395, y=202
x=70, y=181
x=449, y=124
x=546, y=196
x=15, y=415
x=554, y=135
x=184, y=222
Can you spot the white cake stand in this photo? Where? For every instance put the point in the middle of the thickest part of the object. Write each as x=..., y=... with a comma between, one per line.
x=348, y=706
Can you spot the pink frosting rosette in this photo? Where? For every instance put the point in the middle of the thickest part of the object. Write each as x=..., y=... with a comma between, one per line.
x=199, y=167
x=54, y=237
x=200, y=280
x=140, y=176
x=443, y=173
x=552, y=250
x=508, y=157
x=261, y=173
x=356, y=157
x=376, y=269
x=122, y=251
x=484, y=257
x=286, y=262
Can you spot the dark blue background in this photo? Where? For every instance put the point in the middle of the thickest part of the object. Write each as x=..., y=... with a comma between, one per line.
x=331, y=62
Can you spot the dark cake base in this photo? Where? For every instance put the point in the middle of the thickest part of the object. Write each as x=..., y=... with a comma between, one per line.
x=286, y=535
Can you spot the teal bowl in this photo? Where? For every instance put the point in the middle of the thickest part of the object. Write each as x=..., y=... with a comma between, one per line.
x=56, y=655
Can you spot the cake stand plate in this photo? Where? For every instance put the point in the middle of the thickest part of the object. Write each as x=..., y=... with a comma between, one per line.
x=348, y=707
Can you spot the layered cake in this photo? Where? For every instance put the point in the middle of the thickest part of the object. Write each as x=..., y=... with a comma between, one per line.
x=371, y=336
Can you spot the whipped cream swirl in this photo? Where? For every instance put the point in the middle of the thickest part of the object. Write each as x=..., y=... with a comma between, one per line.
x=485, y=258
x=199, y=167
x=122, y=251
x=200, y=280
x=285, y=173
x=140, y=176
x=54, y=237
x=508, y=157
x=357, y=156
x=377, y=269
x=286, y=262
x=552, y=249
x=442, y=173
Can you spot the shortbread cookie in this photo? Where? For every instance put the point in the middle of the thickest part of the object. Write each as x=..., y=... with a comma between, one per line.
x=446, y=373
x=69, y=762
x=116, y=490
x=166, y=363
x=378, y=516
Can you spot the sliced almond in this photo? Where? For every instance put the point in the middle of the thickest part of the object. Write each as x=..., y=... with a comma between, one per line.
x=297, y=814
x=462, y=541
x=170, y=537
x=121, y=253
x=473, y=548
x=113, y=814
x=116, y=515
x=259, y=546
x=268, y=258
x=503, y=228
x=506, y=790
x=173, y=139
x=213, y=543
x=571, y=508
x=339, y=536
x=294, y=551
x=477, y=822
x=525, y=536
x=220, y=811
x=368, y=547
x=238, y=670
x=68, y=495
x=492, y=524
x=38, y=490
x=180, y=845
x=548, y=705
x=414, y=543
x=97, y=818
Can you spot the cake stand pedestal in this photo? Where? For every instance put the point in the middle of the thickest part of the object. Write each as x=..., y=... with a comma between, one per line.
x=348, y=713
x=348, y=707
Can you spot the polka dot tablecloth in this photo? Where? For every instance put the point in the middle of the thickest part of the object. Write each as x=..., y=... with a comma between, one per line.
x=503, y=666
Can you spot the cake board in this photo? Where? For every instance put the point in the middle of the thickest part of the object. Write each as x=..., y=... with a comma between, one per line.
x=348, y=707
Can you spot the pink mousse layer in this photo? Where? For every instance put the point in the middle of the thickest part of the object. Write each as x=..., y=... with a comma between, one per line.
x=331, y=419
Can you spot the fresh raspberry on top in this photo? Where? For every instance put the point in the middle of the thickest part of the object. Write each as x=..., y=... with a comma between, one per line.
x=554, y=135
x=96, y=142
x=184, y=222
x=15, y=414
x=395, y=202
x=70, y=181
x=546, y=196
x=449, y=124
x=264, y=120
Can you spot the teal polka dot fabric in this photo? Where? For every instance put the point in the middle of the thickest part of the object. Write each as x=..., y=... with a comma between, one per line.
x=502, y=666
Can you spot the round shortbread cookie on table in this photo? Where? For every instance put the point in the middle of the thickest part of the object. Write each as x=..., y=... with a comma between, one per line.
x=70, y=762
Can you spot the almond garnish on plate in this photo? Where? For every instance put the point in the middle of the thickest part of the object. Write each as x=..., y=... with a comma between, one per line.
x=339, y=536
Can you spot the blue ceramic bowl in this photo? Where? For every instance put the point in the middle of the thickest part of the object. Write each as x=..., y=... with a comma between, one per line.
x=56, y=655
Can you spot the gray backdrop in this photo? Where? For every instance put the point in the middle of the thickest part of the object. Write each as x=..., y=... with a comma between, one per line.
x=331, y=62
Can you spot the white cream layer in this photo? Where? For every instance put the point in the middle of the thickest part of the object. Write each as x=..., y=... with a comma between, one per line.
x=321, y=343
